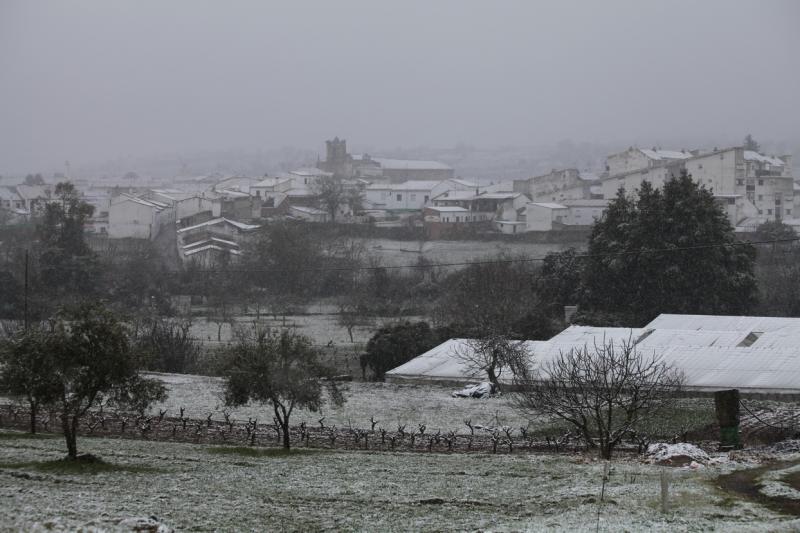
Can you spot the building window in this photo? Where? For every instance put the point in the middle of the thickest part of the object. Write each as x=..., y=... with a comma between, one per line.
x=760, y=197
x=426, y=199
x=739, y=182
x=769, y=211
x=413, y=197
x=760, y=212
x=788, y=211
x=399, y=197
x=731, y=201
x=761, y=182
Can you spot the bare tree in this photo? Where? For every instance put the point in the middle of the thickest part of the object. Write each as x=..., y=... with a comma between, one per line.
x=604, y=391
x=491, y=355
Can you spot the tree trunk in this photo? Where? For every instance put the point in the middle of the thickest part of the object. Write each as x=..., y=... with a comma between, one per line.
x=606, y=448
x=70, y=429
x=490, y=371
x=287, y=445
x=34, y=407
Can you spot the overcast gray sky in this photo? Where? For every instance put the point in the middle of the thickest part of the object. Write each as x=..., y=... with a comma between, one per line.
x=92, y=80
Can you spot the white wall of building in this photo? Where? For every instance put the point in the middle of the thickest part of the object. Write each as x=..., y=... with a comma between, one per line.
x=404, y=196
x=130, y=219
x=540, y=217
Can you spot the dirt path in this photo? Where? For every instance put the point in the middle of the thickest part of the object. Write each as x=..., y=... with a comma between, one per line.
x=747, y=483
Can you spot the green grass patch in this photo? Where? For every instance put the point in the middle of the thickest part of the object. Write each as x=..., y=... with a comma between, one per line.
x=19, y=435
x=78, y=467
x=248, y=451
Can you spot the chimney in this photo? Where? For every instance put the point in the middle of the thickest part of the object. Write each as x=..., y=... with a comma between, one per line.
x=569, y=312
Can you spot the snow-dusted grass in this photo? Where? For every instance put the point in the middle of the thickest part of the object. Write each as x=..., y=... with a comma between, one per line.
x=390, y=404
x=190, y=488
x=393, y=404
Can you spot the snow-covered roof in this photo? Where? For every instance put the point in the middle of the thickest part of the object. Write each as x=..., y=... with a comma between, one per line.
x=723, y=322
x=751, y=155
x=311, y=172
x=586, y=203
x=158, y=206
x=455, y=196
x=9, y=194
x=660, y=155
x=410, y=185
x=208, y=247
x=174, y=195
x=33, y=191
x=213, y=222
x=447, y=209
x=464, y=183
x=498, y=196
x=232, y=193
x=308, y=210
x=271, y=182
x=548, y=205
x=753, y=354
x=210, y=240
x=443, y=362
x=406, y=164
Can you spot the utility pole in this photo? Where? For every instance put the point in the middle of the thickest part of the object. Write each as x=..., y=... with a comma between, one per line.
x=26, y=290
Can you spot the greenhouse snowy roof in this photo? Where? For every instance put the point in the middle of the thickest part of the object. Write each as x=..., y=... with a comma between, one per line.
x=753, y=354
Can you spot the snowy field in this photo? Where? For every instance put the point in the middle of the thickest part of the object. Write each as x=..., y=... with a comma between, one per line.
x=394, y=253
x=390, y=404
x=320, y=324
x=187, y=487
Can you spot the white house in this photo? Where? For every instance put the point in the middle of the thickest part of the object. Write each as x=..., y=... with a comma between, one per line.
x=541, y=216
x=9, y=199
x=137, y=218
x=638, y=158
x=408, y=195
x=447, y=214
x=750, y=187
x=207, y=242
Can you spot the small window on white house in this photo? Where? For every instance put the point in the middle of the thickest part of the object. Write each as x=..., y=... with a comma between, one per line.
x=760, y=196
x=769, y=211
x=788, y=211
x=399, y=197
x=413, y=197
x=761, y=182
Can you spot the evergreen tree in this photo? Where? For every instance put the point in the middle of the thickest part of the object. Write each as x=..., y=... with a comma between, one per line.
x=69, y=268
x=751, y=144
x=666, y=251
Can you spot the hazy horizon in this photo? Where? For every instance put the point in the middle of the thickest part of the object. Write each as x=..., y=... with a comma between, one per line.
x=92, y=81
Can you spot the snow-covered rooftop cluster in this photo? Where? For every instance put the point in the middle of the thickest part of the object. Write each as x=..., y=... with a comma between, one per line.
x=660, y=155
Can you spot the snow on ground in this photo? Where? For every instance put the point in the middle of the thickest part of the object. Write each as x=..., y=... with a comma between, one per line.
x=680, y=453
x=190, y=488
x=390, y=404
x=773, y=485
